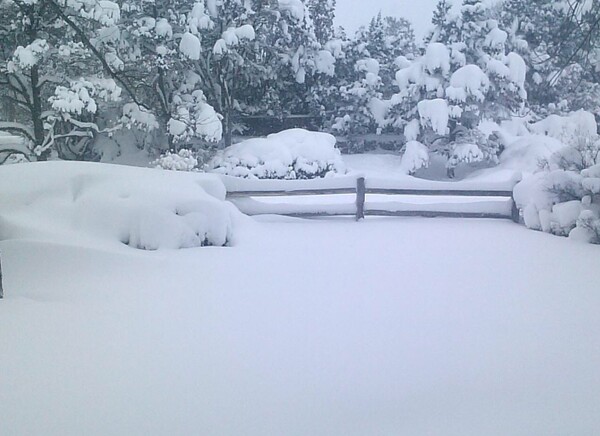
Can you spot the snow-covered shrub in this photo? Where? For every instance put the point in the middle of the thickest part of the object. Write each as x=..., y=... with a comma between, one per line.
x=537, y=195
x=562, y=197
x=588, y=224
x=103, y=205
x=530, y=153
x=568, y=129
x=183, y=160
x=582, y=151
x=291, y=154
x=563, y=203
x=588, y=227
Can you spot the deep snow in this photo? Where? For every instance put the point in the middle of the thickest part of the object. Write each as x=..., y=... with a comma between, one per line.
x=386, y=326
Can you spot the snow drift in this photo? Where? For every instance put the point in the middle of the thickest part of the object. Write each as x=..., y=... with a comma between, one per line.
x=100, y=204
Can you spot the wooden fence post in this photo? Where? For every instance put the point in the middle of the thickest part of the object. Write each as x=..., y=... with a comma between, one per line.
x=1, y=292
x=515, y=214
x=361, y=191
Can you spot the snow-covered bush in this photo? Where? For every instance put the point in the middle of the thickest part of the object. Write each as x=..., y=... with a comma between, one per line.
x=578, y=132
x=103, y=205
x=569, y=129
x=291, y=154
x=550, y=200
x=588, y=223
x=563, y=196
x=530, y=153
x=183, y=160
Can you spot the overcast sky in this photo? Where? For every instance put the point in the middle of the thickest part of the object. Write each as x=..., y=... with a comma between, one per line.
x=353, y=13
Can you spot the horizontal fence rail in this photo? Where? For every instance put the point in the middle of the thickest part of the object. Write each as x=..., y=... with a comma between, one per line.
x=487, y=205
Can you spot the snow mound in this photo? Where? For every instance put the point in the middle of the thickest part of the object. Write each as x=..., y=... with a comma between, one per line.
x=291, y=154
x=92, y=204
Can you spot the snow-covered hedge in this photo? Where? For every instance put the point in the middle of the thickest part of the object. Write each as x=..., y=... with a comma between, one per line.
x=563, y=196
x=291, y=154
x=105, y=205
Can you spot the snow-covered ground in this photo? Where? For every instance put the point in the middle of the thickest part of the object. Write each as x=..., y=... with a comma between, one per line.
x=297, y=327
x=330, y=327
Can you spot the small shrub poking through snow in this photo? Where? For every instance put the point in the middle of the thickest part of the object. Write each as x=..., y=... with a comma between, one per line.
x=291, y=154
x=183, y=160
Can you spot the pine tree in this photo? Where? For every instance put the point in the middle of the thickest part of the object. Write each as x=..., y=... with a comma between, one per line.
x=441, y=14
x=322, y=14
x=376, y=37
x=444, y=94
x=444, y=29
x=553, y=38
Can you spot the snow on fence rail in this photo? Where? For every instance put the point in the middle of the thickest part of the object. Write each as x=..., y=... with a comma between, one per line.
x=484, y=197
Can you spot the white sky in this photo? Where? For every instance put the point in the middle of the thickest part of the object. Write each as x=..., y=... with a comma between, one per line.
x=353, y=13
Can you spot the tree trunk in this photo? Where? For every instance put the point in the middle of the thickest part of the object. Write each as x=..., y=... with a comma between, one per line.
x=36, y=113
x=1, y=289
x=227, y=129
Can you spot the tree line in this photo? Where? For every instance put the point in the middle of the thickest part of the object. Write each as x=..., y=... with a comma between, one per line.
x=184, y=73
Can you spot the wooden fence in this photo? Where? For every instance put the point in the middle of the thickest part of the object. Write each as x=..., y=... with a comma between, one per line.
x=484, y=199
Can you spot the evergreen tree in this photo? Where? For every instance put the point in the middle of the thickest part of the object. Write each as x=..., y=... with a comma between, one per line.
x=322, y=14
x=445, y=28
x=445, y=94
x=53, y=74
x=557, y=40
